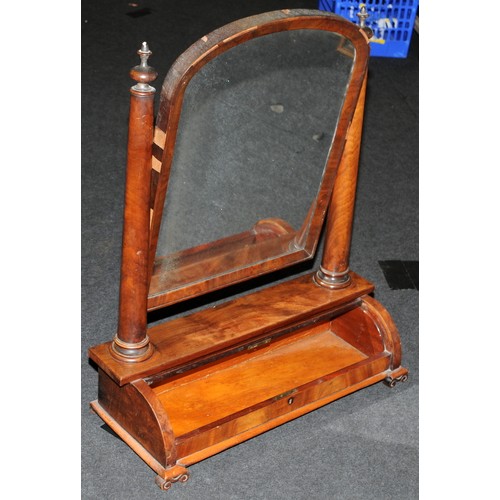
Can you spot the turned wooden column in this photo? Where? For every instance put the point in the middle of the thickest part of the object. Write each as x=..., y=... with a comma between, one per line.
x=334, y=269
x=131, y=342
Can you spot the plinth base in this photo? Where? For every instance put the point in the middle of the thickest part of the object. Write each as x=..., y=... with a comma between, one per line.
x=273, y=370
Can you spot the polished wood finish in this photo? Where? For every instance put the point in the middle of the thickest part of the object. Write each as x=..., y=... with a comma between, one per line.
x=238, y=384
x=131, y=342
x=239, y=324
x=334, y=271
x=172, y=271
x=124, y=403
x=167, y=475
x=171, y=100
x=205, y=409
x=202, y=383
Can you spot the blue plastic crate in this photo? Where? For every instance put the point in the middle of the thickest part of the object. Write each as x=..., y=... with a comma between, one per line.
x=391, y=21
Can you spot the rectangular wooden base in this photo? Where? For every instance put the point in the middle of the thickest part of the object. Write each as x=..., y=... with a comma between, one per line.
x=184, y=342
x=272, y=365
x=253, y=392
x=258, y=418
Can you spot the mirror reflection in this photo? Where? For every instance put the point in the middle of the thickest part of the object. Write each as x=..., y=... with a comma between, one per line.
x=254, y=135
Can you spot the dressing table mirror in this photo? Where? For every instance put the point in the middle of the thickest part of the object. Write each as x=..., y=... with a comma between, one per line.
x=253, y=153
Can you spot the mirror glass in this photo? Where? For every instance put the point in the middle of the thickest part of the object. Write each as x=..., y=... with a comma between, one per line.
x=255, y=130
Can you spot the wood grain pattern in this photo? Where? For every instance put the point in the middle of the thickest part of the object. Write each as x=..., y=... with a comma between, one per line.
x=190, y=455
x=194, y=265
x=215, y=394
x=136, y=409
x=166, y=475
x=276, y=411
x=338, y=225
x=127, y=438
x=387, y=328
x=359, y=329
x=171, y=100
x=132, y=321
x=225, y=374
x=200, y=336
x=213, y=407
x=131, y=342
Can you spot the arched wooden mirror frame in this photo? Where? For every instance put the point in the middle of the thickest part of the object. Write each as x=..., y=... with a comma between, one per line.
x=191, y=387
x=171, y=102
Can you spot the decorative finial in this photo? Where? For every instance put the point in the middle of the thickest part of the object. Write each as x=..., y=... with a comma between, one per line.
x=363, y=16
x=144, y=54
x=143, y=73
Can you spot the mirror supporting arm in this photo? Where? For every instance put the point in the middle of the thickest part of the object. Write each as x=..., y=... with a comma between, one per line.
x=131, y=343
x=334, y=269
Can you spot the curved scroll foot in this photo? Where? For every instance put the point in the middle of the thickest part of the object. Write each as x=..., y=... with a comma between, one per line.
x=163, y=484
x=398, y=375
x=171, y=476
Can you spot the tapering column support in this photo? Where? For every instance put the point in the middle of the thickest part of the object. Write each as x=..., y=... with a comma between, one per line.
x=131, y=342
x=334, y=269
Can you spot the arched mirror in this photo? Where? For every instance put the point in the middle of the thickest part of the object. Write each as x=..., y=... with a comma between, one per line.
x=254, y=144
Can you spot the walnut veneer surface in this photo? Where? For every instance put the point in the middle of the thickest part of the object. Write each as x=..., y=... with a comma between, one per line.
x=331, y=339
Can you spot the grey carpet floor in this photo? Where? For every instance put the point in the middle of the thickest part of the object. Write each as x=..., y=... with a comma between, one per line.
x=364, y=446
